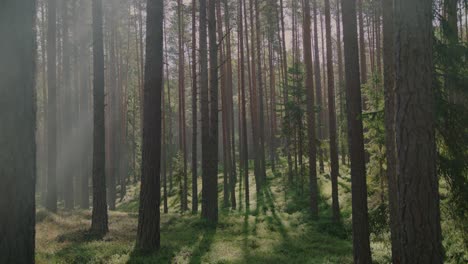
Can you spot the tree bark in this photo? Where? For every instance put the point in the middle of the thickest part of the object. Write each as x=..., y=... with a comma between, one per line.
x=244, y=143
x=312, y=148
x=209, y=111
x=362, y=44
x=148, y=237
x=389, y=93
x=17, y=135
x=51, y=203
x=99, y=221
x=332, y=115
x=417, y=183
x=194, y=111
x=361, y=244
x=318, y=86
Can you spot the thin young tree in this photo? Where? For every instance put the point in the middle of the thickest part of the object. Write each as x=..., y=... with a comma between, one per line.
x=361, y=242
x=17, y=135
x=148, y=237
x=332, y=115
x=209, y=111
x=182, y=126
x=99, y=219
x=312, y=148
x=318, y=87
x=245, y=152
x=362, y=44
x=194, y=109
x=417, y=183
x=51, y=203
x=389, y=94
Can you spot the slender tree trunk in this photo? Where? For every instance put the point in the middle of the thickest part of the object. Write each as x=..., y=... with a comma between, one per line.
x=224, y=107
x=230, y=106
x=361, y=243
x=312, y=148
x=182, y=136
x=389, y=90
x=417, y=183
x=85, y=114
x=51, y=203
x=194, y=111
x=17, y=135
x=318, y=88
x=99, y=222
x=244, y=142
x=148, y=237
x=261, y=130
x=332, y=116
x=287, y=147
x=341, y=84
x=209, y=107
x=362, y=45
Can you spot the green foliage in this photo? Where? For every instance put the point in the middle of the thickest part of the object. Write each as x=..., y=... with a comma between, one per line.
x=451, y=82
x=374, y=134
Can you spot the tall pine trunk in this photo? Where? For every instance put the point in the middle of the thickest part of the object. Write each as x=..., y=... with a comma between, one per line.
x=148, y=237
x=99, y=221
x=194, y=111
x=361, y=243
x=417, y=183
x=51, y=203
x=313, y=188
x=332, y=115
x=17, y=135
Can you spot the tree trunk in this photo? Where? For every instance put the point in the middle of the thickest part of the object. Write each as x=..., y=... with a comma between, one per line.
x=362, y=45
x=209, y=107
x=318, y=87
x=244, y=143
x=181, y=71
x=148, y=237
x=194, y=111
x=312, y=148
x=261, y=130
x=361, y=244
x=389, y=93
x=332, y=116
x=51, y=203
x=99, y=222
x=417, y=183
x=17, y=135
x=230, y=106
x=341, y=84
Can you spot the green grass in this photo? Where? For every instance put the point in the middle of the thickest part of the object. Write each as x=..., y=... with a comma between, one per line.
x=275, y=229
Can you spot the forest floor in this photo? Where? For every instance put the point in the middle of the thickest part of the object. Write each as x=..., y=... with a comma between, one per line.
x=275, y=229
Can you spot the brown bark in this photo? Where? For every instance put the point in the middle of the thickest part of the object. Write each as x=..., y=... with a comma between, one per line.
x=341, y=84
x=194, y=111
x=148, y=237
x=318, y=87
x=182, y=127
x=360, y=222
x=209, y=106
x=389, y=93
x=332, y=116
x=99, y=222
x=362, y=45
x=244, y=143
x=313, y=188
x=417, y=183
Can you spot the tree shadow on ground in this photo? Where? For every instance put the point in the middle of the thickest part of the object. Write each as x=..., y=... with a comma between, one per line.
x=188, y=239
x=312, y=243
